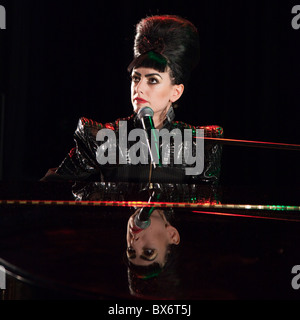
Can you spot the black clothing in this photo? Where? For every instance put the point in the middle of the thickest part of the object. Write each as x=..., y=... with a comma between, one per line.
x=81, y=164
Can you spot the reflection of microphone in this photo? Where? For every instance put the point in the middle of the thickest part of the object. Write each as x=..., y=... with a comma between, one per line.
x=142, y=219
x=145, y=114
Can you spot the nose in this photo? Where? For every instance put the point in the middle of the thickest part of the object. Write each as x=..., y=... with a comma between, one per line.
x=134, y=237
x=140, y=86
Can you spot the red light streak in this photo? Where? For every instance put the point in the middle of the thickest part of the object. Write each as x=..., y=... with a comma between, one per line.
x=259, y=144
x=245, y=215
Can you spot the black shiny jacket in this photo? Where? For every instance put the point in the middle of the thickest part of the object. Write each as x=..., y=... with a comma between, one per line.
x=81, y=163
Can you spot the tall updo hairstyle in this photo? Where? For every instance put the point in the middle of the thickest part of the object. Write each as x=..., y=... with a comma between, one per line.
x=166, y=42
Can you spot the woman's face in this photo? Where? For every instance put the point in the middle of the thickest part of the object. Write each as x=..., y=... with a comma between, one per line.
x=155, y=90
x=150, y=245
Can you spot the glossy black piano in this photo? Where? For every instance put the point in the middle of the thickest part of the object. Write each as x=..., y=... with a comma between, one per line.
x=78, y=240
x=68, y=240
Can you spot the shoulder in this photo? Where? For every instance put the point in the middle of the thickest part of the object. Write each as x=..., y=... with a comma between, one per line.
x=213, y=131
x=86, y=125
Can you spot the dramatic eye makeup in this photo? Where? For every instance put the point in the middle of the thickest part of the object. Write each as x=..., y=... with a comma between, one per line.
x=153, y=78
x=135, y=78
x=148, y=254
x=130, y=253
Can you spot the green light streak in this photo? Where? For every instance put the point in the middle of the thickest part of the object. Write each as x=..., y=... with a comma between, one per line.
x=153, y=132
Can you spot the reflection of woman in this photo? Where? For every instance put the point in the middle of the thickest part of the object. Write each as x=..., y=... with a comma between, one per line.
x=152, y=256
x=166, y=49
x=151, y=245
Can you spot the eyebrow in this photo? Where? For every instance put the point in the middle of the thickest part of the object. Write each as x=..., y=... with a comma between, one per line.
x=147, y=259
x=148, y=74
x=143, y=257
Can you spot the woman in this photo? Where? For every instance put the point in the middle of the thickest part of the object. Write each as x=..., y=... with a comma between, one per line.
x=166, y=49
x=152, y=257
x=149, y=245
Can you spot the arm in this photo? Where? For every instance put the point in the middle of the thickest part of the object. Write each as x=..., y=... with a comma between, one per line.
x=212, y=156
x=80, y=163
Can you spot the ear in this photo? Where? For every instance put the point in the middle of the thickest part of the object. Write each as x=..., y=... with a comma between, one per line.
x=174, y=237
x=177, y=92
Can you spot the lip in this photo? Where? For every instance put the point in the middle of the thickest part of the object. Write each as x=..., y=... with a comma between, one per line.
x=135, y=230
x=140, y=100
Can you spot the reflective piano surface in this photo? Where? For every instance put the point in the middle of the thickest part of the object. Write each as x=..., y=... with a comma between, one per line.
x=68, y=240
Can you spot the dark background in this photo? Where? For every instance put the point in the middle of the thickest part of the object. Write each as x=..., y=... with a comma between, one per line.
x=60, y=60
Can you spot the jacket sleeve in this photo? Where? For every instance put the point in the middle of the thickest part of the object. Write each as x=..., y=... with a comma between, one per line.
x=81, y=163
x=212, y=155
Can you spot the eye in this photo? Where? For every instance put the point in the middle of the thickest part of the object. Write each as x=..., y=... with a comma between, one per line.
x=149, y=252
x=130, y=252
x=153, y=80
x=134, y=78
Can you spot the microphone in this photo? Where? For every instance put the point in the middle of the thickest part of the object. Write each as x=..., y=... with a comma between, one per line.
x=142, y=219
x=145, y=114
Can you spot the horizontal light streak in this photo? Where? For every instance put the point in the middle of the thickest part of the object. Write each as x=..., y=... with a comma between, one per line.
x=152, y=204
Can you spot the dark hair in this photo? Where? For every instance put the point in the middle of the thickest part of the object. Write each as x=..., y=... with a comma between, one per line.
x=164, y=41
x=155, y=281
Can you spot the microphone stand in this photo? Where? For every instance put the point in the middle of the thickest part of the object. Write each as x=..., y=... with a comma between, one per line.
x=145, y=115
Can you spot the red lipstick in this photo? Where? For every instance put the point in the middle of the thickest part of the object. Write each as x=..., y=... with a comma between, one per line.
x=135, y=229
x=140, y=100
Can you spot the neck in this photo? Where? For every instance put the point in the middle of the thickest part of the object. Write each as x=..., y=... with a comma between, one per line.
x=159, y=118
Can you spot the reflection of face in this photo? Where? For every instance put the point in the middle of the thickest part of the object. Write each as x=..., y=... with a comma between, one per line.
x=155, y=90
x=150, y=245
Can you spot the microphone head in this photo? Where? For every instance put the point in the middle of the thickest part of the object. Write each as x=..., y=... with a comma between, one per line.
x=144, y=112
x=141, y=224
